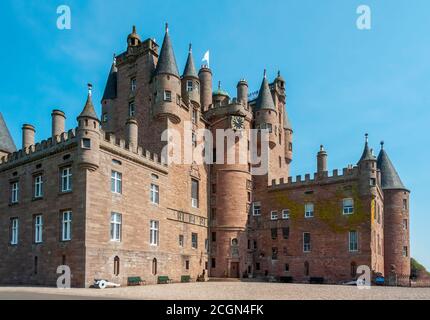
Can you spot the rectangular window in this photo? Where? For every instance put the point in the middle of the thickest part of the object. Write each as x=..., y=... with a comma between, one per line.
x=285, y=214
x=286, y=232
x=66, y=226
x=274, y=233
x=131, y=109
x=194, y=139
x=194, y=116
x=206, y=245
x=38, y=228
x=372, y=182
x=405, y=224
x=306, y=242
x=155, y=194
x=274, y=253
x=116, y=182
x=181, y=240
x=213, y=263
x=256, y=208
x=38, y=186
x=405, y=251
x=115, y=226
x=154, y=233
x=194, y=242
x=213, y=237
x=353, y=241
x=133, y=84
x=405, y=204
x=167, y=95
x=257, y=266
x=274, y=215
x=14, y=192
x=309, y=210
x=194, y=193
x=187, y=264
x=348, y=206
x=14, y=229
x=86, y=143
x=66, y=179
x=189, y=85
x=287, y=267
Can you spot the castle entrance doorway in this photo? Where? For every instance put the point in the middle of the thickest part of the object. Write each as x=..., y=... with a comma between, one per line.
x=234, y=270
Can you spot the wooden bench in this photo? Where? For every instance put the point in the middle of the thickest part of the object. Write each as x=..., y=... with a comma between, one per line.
x=135, y=281
x=163, y=280
x=185, y=278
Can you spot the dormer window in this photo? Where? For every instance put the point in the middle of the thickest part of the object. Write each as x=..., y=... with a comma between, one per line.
x=167, y=95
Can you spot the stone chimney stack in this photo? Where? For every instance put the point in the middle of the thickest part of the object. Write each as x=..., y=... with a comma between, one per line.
x=321, y=160
x=132, y=131
x=28, y=133
x=58, y=122
x=205, y=76
x=242, y=92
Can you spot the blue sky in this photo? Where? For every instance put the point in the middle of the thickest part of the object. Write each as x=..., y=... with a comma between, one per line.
x=341, y=82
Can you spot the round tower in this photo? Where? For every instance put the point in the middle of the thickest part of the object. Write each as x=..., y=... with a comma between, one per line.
x=88, y=134
x=242, y=93
x=167, y=83
x=321, y=160
x=205, y=77
x=132, y=133
x=368, y=170
x=190, y=82
x=397, y=261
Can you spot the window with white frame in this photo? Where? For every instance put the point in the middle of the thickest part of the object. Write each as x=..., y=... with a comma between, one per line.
x=14, y=192
x=131, y=109
x=274, y=215
x=353, y=241
x=167, y=95
x=256, y=208
x=133, y=84
x=285, y=214
x=194, y=240
x=306, y=242
x=155, y=194
x=38, y=228
x=116, y=182
x=153, y=233
x=38, y=186
x=66, y=226
x=14, y=229
x=189, y=85
x=348, y=206
x=309, y=210
x=194, y=193
x=181, y=240
x=66, y=179
x=115, y=226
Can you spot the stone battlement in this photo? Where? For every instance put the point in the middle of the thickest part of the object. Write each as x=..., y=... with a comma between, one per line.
x=317, y=178
x=39, y=150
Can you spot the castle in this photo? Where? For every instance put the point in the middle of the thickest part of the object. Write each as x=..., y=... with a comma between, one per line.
x=101, y=199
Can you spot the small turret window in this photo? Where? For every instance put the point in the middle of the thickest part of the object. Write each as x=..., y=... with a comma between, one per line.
x=133, y=84
x=167, y=95
x=131, y=109
x=189, y=85
x=86, y=143
x=405, y=204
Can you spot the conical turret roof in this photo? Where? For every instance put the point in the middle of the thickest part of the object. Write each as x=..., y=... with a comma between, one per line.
x=190, y=70
x=89, y=110
x=287, y=123
x=264, y=99
x=6, y=141
x=167, y=61
x=389, y=177
x=367, y=154
x=111, y=83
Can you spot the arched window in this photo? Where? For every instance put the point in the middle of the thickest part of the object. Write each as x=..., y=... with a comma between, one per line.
x=353, y=269
x=234, y=242
x=306, y=268
x=154, y=266
x=116, y=265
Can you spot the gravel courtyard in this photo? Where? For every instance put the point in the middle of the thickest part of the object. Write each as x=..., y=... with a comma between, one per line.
x=220, y=291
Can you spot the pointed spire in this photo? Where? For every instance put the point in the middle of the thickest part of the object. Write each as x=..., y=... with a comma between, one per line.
x=167, y=61
x=367, y=153
x=6, y=142
x=111, y=83
x=287, y=123
x=190, y=70
x=88, y=110
x=264, y=99
x=389, y=177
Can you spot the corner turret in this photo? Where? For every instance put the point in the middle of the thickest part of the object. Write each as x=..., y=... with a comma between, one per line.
x=7, y=145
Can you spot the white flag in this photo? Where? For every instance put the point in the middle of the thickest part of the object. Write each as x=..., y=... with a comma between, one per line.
x=206, y=57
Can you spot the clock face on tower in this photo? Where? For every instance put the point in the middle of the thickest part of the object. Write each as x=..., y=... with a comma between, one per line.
x=237, y=123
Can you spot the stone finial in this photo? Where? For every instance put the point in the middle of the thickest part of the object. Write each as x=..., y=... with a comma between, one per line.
x=167, y=27
x=382, y=144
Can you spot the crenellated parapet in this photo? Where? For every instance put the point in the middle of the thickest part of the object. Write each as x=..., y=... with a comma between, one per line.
x=346, y=174
x=42, y=149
